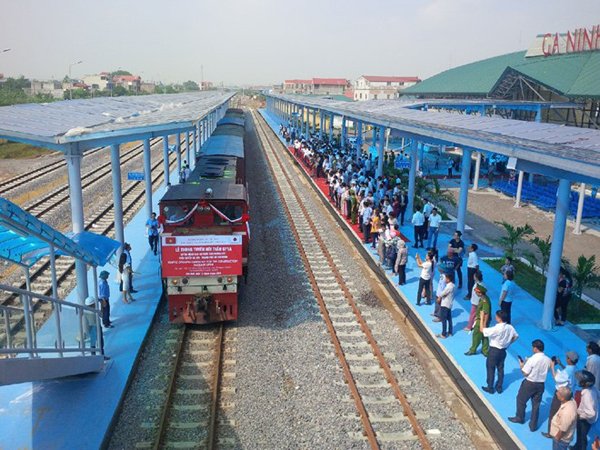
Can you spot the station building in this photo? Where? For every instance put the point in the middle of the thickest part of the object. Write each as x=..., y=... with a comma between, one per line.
x=557, y=67
x=371, y=87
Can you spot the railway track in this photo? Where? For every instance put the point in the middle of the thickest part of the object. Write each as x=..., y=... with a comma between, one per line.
x=385, y=411
x=100, y=221
x=190, y=397
x=11, y=184
x=57, y=197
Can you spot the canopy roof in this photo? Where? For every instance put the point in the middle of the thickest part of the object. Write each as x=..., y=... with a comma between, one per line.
x=573, y=75
x=100, y=121
x=24, y=239
x=567, y=152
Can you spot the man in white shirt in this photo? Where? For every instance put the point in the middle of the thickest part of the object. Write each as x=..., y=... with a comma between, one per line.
x=592, y=364
x=563, y=423
x=587, y=411
x=535, y=370
x=435, y=219
x=501, y=336
x=418, y=219
x=366, y=221
x=446, y=299
x=425, y=278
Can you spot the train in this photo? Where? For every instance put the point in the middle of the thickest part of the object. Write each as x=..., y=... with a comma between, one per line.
x=206, y=230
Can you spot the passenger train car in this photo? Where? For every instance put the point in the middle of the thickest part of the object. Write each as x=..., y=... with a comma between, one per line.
x=206, y=230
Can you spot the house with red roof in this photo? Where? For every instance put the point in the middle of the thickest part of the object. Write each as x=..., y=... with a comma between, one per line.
x=316, y=86
x=375, y=87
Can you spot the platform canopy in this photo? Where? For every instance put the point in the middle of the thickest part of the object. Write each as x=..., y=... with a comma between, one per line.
x=24, y=239
x=83, y=124
x=563, y=152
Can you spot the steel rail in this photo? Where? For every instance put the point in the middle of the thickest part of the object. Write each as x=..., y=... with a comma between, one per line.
x=216, y=391
x=360, y=406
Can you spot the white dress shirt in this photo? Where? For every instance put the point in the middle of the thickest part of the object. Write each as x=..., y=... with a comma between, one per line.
x=418, y=219
x=447, y=296
x=426, y=270
x=473, y=260
x=434, y=221
x=588, y=407
x=501, y=335
x=536, y=367
x=593, y=365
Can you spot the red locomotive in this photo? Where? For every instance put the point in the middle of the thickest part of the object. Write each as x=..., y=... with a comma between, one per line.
x=206, y=232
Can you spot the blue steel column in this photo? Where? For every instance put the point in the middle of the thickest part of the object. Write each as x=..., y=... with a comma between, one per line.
x=115, y=166
x=148, y=177
x=380, y=149
x=331, y=118
x=178, y=150
x=314, y=121
x=166, y=159
x=320, y=124
x=193, y=161
x=464, y=190
x=359, y=139
x=187, y=147
x=76, y=196
x=556, y=250
x=412, y=175
x=343, y=134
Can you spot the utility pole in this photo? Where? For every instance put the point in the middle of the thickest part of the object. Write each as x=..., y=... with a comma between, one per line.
x=71, y=80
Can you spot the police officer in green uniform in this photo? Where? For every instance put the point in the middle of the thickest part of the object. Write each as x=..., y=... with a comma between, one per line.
x=482, y=318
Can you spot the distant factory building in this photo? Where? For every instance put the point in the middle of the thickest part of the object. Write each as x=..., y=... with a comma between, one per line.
x=368, y=87
x=48, y=87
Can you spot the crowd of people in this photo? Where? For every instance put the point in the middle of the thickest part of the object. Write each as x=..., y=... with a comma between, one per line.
x=377, y=204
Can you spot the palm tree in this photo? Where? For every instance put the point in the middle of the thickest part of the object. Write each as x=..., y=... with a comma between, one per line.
x=543, y=247
x=514, y=236
x=585, y=274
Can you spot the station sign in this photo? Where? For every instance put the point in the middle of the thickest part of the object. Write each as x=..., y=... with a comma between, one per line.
x=135, y=176
x=401, y=163
x=576, y=41
x=201, y=256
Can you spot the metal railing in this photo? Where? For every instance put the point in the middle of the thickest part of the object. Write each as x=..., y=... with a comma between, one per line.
x=31, y=347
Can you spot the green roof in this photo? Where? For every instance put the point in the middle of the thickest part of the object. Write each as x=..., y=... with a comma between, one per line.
x=572, y=75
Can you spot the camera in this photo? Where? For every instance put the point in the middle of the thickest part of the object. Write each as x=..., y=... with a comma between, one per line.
x=554, y=358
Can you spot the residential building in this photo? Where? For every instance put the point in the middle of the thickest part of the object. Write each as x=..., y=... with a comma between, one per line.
x=99, y=82
x=206, y=85
x=370, y=87
x=297, y=86
x=329, y=86
x=48, y=87
x=129, y=82
x=148, y=87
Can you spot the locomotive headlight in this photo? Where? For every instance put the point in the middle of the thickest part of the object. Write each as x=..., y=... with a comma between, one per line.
x=184, y=280
x=229, y=279
x=219, y=280
x=174, y=282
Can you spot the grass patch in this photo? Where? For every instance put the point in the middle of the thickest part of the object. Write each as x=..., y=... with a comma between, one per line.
x=535, y=283
x=16, y=150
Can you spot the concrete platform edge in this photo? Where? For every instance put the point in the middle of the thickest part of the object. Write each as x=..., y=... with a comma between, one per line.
x=504, y=436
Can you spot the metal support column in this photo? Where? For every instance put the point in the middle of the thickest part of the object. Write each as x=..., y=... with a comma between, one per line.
x=27, y=313
x=577, y=229
x=314, y=120
x=556, y=249
x=519, y=189
x=380, y=153
x=76, y=196
x=187, y=148
x=192, y=162
x=331, y=117
x=343, y=135
x=320, y=124
x=464, y=190
x=412, y=174
x=148, y=177
x=178, y=150
x=477, y=170
x=166, y=159
x=359, y=139
x=55, y=307
x=115, y=166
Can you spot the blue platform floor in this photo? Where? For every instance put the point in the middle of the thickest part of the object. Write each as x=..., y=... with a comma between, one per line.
x=75, y=412
x=526, y=317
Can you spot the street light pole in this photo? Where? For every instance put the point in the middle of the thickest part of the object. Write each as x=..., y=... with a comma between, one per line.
x=4, y=50
x=70, y=79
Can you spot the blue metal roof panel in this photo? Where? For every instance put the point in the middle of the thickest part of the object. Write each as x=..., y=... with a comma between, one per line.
x=80, y=120
x=231, y=121
x=224, y=145
x=24, y=239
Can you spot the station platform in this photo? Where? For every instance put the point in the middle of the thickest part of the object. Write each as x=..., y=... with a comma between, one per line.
x=526, y=318
x=76, y=412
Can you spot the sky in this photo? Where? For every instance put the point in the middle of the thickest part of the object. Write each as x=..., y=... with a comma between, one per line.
x=266, y=41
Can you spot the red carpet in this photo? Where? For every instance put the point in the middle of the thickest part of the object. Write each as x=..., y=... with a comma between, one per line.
x=322, y=185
